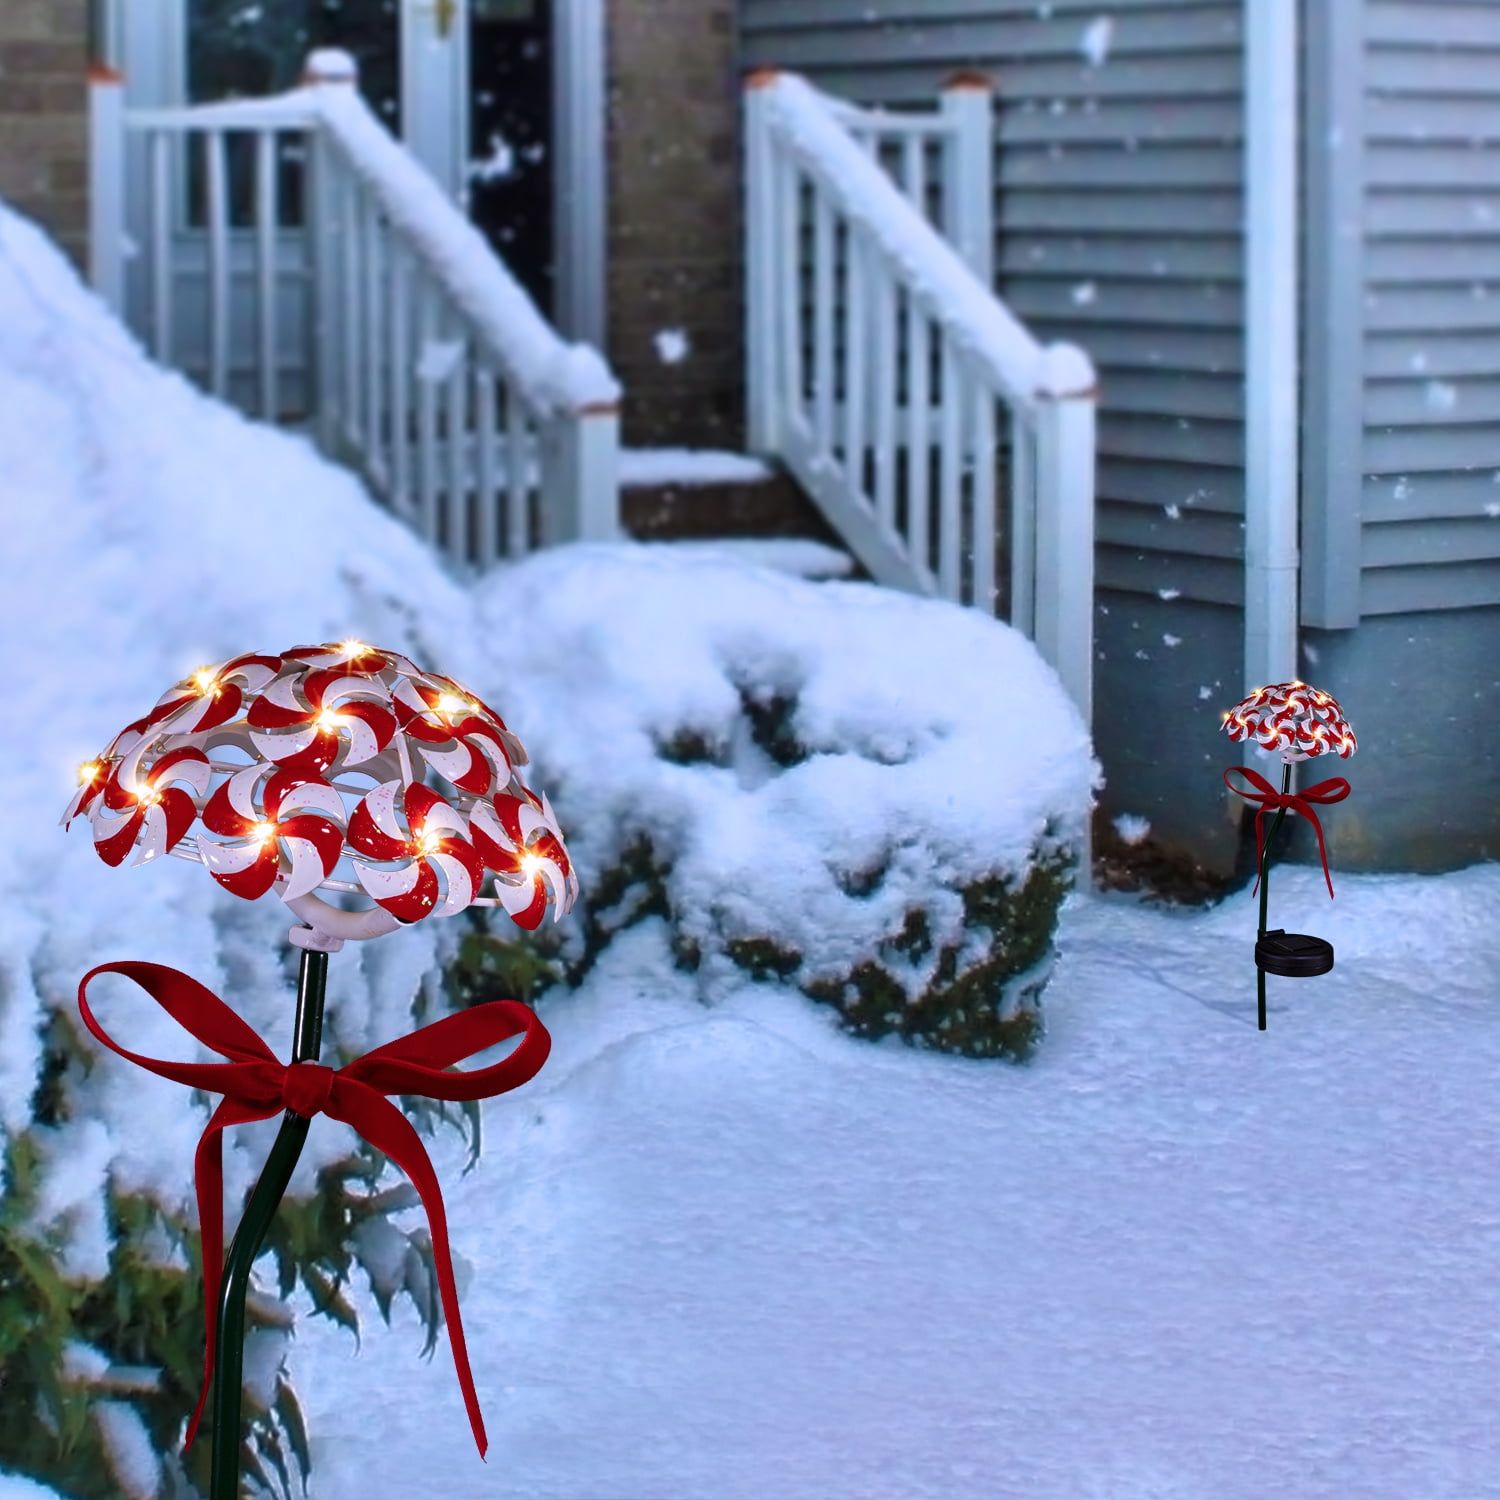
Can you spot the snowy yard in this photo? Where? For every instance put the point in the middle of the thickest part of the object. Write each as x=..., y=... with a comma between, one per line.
x=730, y=1253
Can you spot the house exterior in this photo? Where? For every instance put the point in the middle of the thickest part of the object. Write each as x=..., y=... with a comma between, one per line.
x=599, y=147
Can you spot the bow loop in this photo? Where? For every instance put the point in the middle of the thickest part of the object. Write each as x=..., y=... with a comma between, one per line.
x=255, y=1084
x=1335, y=789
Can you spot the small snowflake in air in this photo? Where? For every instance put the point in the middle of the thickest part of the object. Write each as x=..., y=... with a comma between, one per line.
x=671, y=345
x=1132, y=828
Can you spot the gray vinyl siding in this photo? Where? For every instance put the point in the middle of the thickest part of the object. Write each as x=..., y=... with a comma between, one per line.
x=1430, y=384
x=1118, y=206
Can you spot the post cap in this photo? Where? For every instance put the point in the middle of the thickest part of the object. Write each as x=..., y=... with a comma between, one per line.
x=968, y=78
x=760, y=78
x=330, y=65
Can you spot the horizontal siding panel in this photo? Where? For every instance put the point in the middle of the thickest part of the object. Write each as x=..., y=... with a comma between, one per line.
x=1212, y=488
x=1434, y=215
x=1405, y=117
x=1067, y=16
x=1189, y=535
x=1417, y=403
x=1221, y=397
x=1471, y=262
x=1434, y=353
x=1208, y=580
x=1118, y=255
x=1128, y=304
x=1431, y=25
x=1455, y=309
x=1174, y=439
x=1211, y=351
x=1156, y=168
x=1215, y=122
x=1421, y=450
x=1423, y=496
x=1400, y=543
x=1403, y=591
x=1459, y=74
x=1431, y=165
x=1184, y=213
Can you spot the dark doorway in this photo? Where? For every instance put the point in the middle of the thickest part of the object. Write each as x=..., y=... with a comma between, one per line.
x=510, y=134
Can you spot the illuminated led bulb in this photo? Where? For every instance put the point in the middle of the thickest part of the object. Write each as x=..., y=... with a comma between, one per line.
x=327, y=719
x=449, y=704
x=204, y=680
x=353, y=647
x=262, y=832
x=88, y=772
x=428, y=842
x=530, y=864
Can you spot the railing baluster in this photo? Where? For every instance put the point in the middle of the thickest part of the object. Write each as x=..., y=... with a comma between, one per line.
x=427, y=406
x=486, y=484
x=950, y=476
x=349, y=205
x=217, y=208
x=400, y=357
x=320, y=214
x=788, y=274
x=914, y=170
x=375, y=447
x=885, y=392
x=161, y=245
x=1022, y=524
x=985, y=531
x=267, y=214
x=455, y=426
x=918, y=434
x=855, y=394
x=520, y=438
x=822, y=321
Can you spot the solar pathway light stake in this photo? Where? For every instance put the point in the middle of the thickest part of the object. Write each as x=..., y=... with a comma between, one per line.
x=1301, y=722
x=322, y=759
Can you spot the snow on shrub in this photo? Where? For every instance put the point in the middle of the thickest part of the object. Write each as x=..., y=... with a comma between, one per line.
x=876, y=797
x=149, y=530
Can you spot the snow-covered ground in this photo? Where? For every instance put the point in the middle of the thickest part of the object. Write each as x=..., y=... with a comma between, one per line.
x=731, y=1254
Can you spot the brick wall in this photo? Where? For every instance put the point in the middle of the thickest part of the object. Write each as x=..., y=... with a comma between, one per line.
x=674, y=250
x=44, y=115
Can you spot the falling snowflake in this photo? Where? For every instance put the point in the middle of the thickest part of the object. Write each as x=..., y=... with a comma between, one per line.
x=1204, y=693
x=1310, y=652
x=1084, y=293
x=1418, y=361
x=1168, y=639
x=499, y=165
x=1492, y=508
x=1441, y=396
x=1141, y=654
x=671, y=345
x=1132, y=828
x=1168, y=593
x=1174, y=512
x=1094, y=44
x=1402, y=489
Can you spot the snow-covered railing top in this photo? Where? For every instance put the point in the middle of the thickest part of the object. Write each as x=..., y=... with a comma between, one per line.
x=813, y=127
x=551, y=375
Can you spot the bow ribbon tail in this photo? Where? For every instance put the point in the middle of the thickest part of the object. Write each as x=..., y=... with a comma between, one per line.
x=387, y=1129
x=208, y=1181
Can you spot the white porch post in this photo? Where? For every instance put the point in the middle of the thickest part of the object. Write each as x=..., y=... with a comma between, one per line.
x=1271, y=437
x=968, y=172
x=580, y=475
x=107, y=184
x=581, y=183
x=762, y=434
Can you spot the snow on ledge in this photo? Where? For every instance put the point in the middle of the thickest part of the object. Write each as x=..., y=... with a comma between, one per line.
x=643, y=466
x=941, y=279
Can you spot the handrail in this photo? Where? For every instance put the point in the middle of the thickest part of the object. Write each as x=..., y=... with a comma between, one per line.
x=935, y=275
x=879, y=362
x=420, y=360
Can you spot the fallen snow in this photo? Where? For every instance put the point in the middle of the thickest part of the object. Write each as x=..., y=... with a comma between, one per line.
x=643, y=466
x=13, y=1487
x=1132, y=828
x=1095, y=41
x=730, y=1254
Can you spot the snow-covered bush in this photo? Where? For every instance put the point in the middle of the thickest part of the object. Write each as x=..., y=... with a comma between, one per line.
x=875, y=797
x=149, y=530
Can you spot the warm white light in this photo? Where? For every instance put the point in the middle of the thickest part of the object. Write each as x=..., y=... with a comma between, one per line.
x=530, y=864
x=204, y=679
x=450, y=704
x=353, y=647
x=262, y=832
x=87, y=772
x=427, y=843
x=327, y=719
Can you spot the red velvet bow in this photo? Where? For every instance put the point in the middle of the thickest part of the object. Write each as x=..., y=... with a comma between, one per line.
x=1335, y=789
x=256, y=1086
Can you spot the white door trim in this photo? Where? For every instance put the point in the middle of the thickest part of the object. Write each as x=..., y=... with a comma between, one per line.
x=579, y=177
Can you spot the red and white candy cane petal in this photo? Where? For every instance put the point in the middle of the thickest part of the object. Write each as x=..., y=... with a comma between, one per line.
x=476, y=762
x=355, y=656
x=287, y=792
x=409, y=894
x=330, y=686
x=313, y=844
x=525, y=904
x=194, y=712
x=373, y=827
x=428, y=814
x=370, y=729
x=463, y=872
x=231, y=811
x=248, y=869
x=90, y=786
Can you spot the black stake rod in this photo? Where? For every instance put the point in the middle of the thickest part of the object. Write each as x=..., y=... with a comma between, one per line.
x=229, y=1357
x=1265, y=876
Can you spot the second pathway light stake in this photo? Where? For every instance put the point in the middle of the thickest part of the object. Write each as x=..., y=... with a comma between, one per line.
x=1302, y=722
x=254, y=750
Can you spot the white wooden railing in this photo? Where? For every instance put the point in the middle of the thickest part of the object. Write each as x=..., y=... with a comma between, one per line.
x=886, y=374
x=383, y=318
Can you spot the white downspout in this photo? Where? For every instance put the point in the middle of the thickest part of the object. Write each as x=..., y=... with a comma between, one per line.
x=1271, y=368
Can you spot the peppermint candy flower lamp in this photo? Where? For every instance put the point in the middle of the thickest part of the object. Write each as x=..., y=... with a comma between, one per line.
x=326, y=768
x=1301, y=722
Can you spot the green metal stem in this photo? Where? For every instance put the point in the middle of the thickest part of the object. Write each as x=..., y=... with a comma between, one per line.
x=1265, y=890
x=229, y=1359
